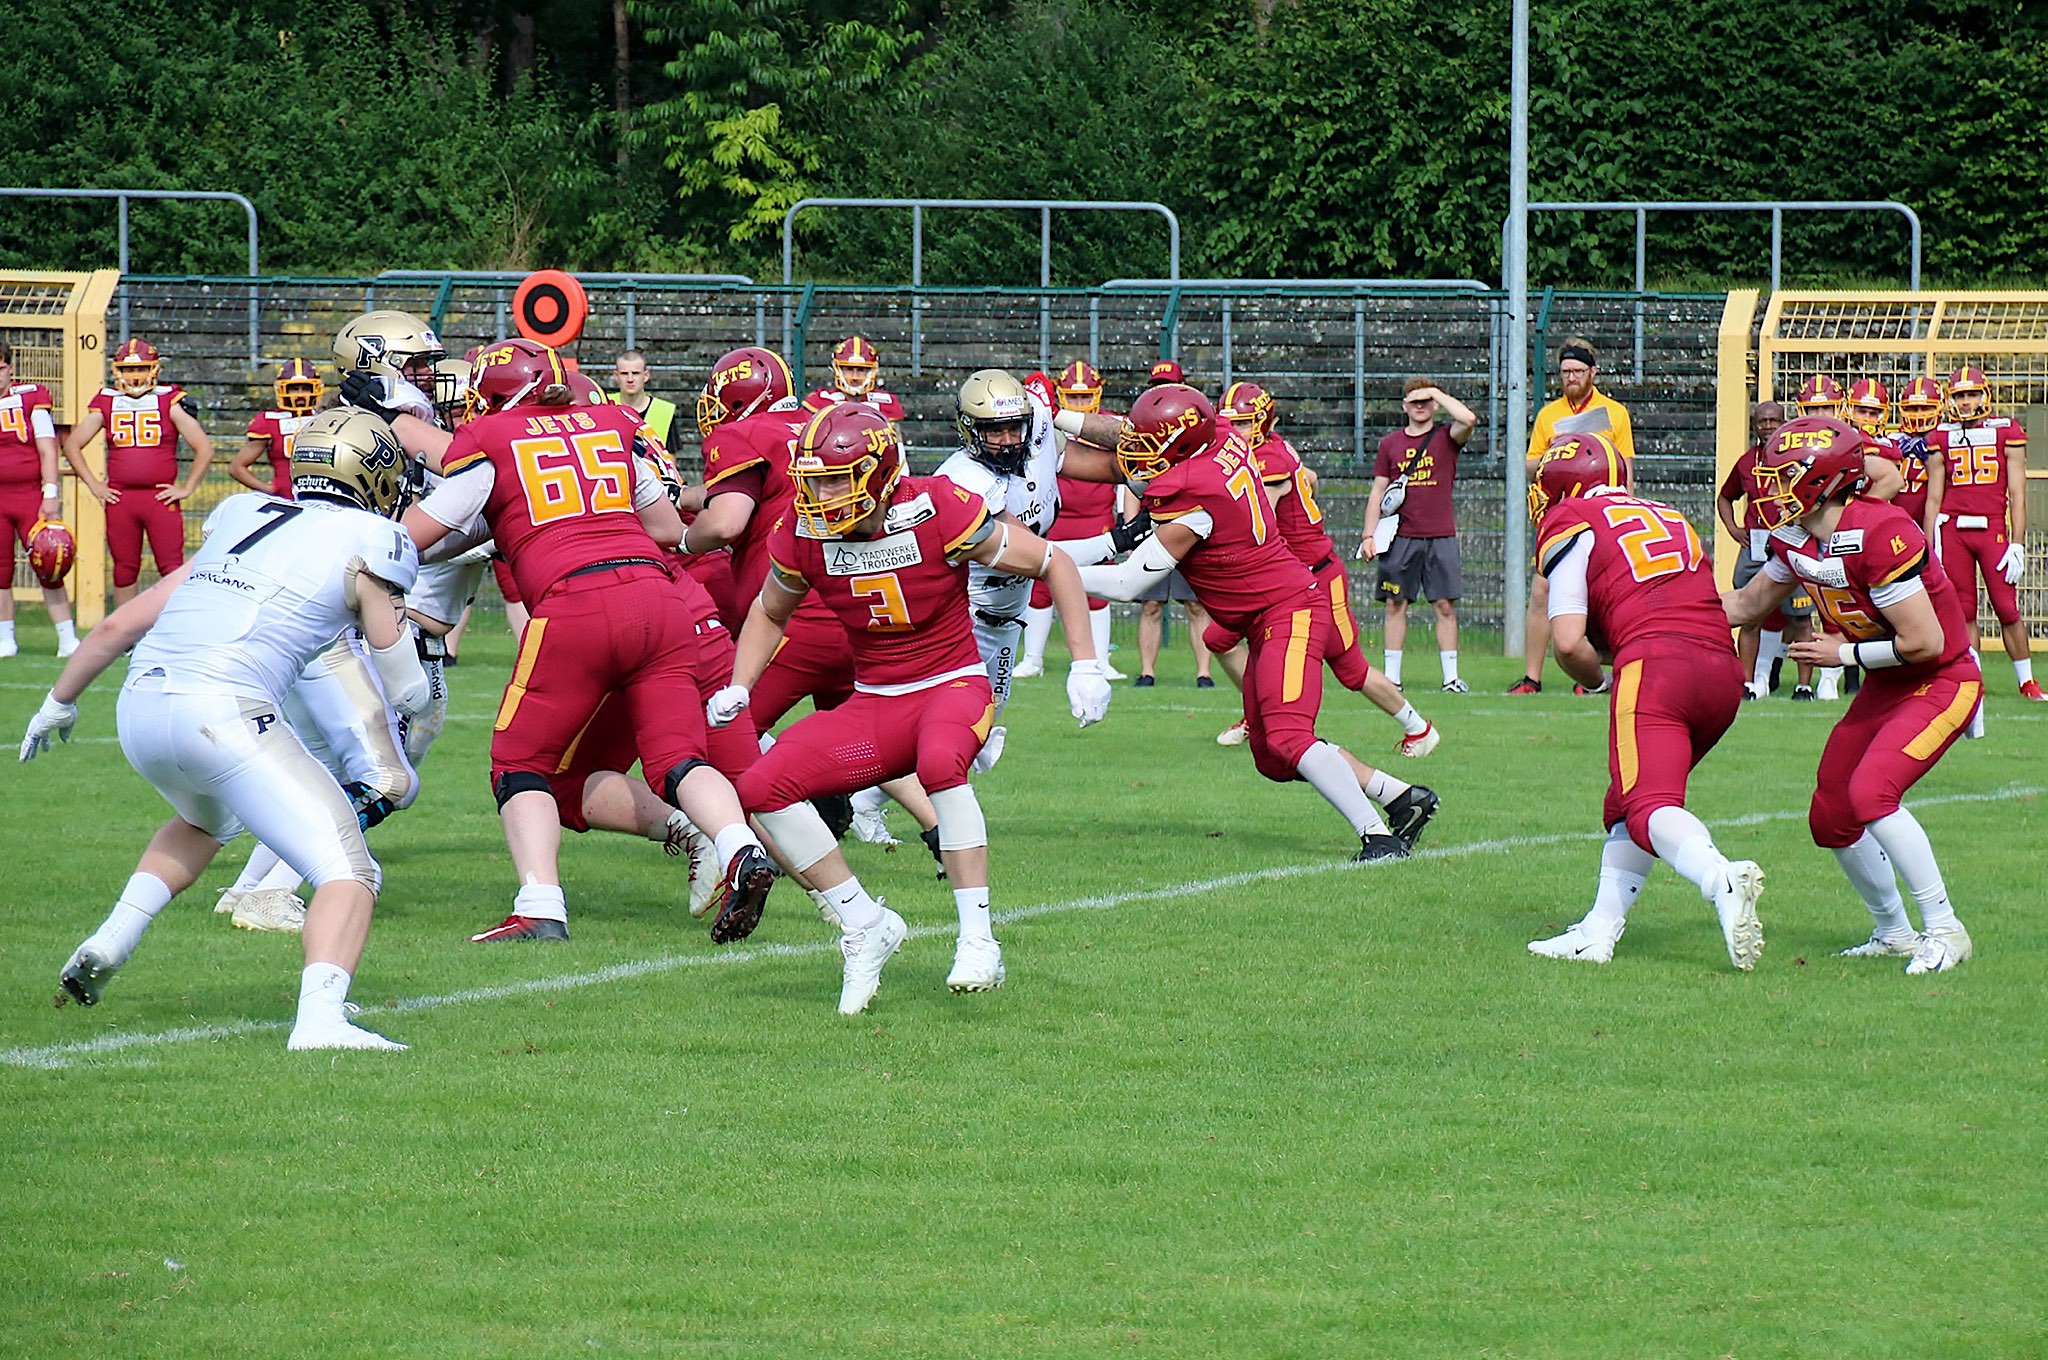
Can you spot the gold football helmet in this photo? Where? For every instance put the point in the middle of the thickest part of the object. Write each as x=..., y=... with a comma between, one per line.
x=391, y=344
x=991, y=402
x=350, y=456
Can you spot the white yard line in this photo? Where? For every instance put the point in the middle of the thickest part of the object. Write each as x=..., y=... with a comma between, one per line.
x=64, y=1054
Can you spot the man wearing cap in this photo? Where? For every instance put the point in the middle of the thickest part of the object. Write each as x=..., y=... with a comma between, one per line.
x=1583, y=409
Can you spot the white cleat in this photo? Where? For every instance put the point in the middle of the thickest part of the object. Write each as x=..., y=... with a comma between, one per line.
x=977, y=967
x=1421, y=744
x=1939, y=951
x=871, y=827
x=1579, y=944
x=1737, y=910
x=1237, y=734
x=1028, y=668
x=229, y=900
x=86, y=973
x=866, y=951
x=1883, y=947
x=704, y=873
x=338, y=1033
x=271, y=909
x=9, y=647
x=65, y=647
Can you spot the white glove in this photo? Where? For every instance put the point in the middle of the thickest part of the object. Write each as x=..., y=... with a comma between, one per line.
x=2013, y=565
x=60, y=718
x=726, y=705
x=1087, y=692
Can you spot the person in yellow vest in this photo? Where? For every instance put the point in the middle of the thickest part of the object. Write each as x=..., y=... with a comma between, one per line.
x=1583, y=408
x=656, y=413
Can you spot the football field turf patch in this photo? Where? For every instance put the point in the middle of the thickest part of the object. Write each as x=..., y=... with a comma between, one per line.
x=1237, y=1098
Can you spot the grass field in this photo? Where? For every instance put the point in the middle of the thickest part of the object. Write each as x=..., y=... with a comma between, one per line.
x=1239, y=1099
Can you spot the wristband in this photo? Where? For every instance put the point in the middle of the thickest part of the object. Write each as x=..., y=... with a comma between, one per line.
x=50, y=491
x=1871, y=655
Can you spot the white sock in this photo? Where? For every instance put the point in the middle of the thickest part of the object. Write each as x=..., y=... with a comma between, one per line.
x=2024, y=669
x=1383, y=788
x=1869, y=871
x=6, y=630
x=282, y=876
x=542, y=901
x=870, y=800
x=1412, y=723
x=1905, y=843
x=856, y=910
x=1037, y=631
x=732, y=840
x=1450, y=664
x=67, y=631
x=972, y=904
x=1324, y=766
x=1769, y=647
x=261, y=861
x=1098, y=629
x=1624, y=868
x=323, y=987
x=1393, y=666
x=1683, y=842
x=140, y=901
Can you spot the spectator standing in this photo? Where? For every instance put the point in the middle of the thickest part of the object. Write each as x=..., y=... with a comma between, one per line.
x=656, y=413
x=1421, y=560
x=1583, y=409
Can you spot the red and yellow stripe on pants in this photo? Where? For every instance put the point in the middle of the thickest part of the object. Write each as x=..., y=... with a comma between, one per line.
x=1672, y=700
x=1283, y=684
x=1346, y=654
x=1894, y=732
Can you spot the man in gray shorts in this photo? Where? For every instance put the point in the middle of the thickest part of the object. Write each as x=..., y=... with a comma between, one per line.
x=1419, y=559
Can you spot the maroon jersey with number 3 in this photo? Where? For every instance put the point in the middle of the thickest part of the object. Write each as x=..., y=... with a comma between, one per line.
x=1243, y=567
x=1648, y=577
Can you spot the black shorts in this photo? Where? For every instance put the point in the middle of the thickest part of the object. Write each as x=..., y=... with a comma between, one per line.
x=1421, y=569
x=1172, y=586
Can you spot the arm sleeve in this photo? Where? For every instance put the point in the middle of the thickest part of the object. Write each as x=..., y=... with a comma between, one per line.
x=1905, y=588
x=461, y=498
x=1567, y=573
x=1135, y=575
x=40, y=425
x=1775, y=570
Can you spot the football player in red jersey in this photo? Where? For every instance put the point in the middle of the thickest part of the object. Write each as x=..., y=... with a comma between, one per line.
x=856, y=371
x=581, y=518
x=1821, y=395
x=1208, y=498
x=1977, y=501
x=143, y=420
x=887, y=555
x=1629, y=577
x=29, y=491
x=1919, y=413
x=1888, y=609
x=299, y=394
x=1291, y=486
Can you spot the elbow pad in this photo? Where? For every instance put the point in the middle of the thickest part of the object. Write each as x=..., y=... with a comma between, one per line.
x=405, y=680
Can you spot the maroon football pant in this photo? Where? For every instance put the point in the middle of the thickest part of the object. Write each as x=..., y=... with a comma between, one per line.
x=20, y=508
x=1967, y=554
x=138, y=515
x=1672, y=700
x=1283, y=680
x=872, y=738
x=1893, y=733
x=813, y=661
x=713, y=571
x=1346, y=657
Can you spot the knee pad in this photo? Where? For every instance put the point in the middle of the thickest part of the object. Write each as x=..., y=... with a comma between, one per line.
x=673, y=780
x=961, y=825
x=799, y=833
x=514, y=782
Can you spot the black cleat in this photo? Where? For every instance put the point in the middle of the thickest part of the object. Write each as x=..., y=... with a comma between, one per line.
x=1372, y=849
x=1409, y=812
x=517, y=927
x=744, y=895
x=836, y=809
x=931, y=843
x=1802, y=694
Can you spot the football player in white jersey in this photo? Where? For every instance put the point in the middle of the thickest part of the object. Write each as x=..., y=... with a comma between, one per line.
x=216, y=647
x=1010, y=455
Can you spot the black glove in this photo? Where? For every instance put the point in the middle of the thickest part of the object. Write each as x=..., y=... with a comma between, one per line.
x=1131, y=532
x=371, y=807
x=364, y=392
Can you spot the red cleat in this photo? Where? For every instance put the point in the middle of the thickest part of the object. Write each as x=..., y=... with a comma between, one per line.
x=2032, y=690
x=1525, y=685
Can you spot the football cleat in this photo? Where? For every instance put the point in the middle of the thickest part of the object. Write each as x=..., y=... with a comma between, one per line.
x=9, y=647
x=308, y=1034
x=1408, y=813
x=1880, y=946
x=1029, y=667
x=66, y=646
x=1455, y=686
x=865, y=952
x=1205, y=682
x=2032, y=690
x=977, y=966
x=1752, y=691
x=85, y=974
x=747, y=881
x=517, y=927
x=1376, y=846
x=270, y=909
x=1421, y=744
x=703, y=870
x=1737, y=910
x=1802, y=694
x=1940, y=950
x=1526, y=685
x=1578, y=944
x=229, y=900
x=1237, y=734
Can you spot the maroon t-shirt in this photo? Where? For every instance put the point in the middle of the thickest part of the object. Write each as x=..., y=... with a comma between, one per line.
x=1427, y=513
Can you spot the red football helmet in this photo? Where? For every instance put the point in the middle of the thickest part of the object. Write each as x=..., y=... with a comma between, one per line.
x=846, y=464
x=1821, y=396
x=51, y=551
x=1969, y=382
x=1080, y=387
x=298, y=386
x=744, y=381
x=583, y=391
x=517, y=372
x=1807, y=462
x=1039, y=384
x=135, y=365
x=1168, y=424
x=1575, y=465
x=1250, y=408
x=1869, y=406
x=856, y=368
x=1920, y=406
x=1167, y=371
